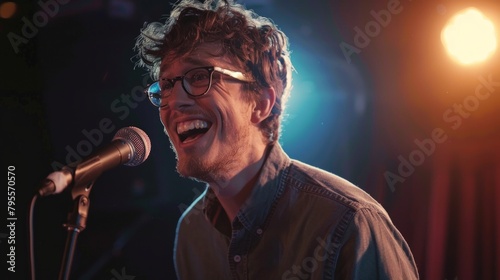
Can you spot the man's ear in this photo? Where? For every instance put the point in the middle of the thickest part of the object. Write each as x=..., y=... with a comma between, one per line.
x=264, y=105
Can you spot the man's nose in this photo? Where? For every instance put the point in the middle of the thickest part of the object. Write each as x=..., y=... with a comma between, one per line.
x=179, y=97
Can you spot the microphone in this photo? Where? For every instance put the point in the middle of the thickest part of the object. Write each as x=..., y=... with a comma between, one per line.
x=130, y=146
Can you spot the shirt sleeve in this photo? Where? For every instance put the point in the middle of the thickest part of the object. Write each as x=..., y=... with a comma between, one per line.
x=374, y=249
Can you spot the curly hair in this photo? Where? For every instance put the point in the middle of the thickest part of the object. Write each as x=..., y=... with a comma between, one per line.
x=253, y=42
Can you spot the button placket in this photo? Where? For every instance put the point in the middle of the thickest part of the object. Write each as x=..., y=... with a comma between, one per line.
x=237, y=258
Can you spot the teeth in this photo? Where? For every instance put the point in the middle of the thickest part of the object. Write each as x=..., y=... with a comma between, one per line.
x=186, y=126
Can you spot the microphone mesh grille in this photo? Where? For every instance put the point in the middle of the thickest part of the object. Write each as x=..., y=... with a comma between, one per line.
x=139, y=141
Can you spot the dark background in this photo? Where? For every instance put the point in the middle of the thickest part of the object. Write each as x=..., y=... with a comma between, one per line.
x=354, y=115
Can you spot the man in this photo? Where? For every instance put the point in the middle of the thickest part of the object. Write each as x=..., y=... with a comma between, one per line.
x=224, y=75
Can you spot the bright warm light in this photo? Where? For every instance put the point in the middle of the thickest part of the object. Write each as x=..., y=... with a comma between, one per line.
x=469, y=37
x=7, y=9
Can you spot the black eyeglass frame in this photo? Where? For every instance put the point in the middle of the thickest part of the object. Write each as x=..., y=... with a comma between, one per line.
x=154, y=90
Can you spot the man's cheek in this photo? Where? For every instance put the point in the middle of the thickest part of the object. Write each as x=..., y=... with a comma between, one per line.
x=164, y=122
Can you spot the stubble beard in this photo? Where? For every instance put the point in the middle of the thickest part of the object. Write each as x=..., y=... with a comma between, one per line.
x=218, y=169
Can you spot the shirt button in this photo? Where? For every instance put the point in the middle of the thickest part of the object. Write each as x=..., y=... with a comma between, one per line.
x=259, y=231
x=237, y=258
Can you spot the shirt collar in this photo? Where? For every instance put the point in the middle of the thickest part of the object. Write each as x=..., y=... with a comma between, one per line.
x=254, y=212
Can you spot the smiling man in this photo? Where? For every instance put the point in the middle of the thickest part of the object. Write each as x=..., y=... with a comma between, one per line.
x=223, y=76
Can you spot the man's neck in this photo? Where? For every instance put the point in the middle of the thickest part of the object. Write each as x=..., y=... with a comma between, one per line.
x=234, y=192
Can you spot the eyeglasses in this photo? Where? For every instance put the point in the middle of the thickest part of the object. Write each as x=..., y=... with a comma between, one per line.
x=195, y=82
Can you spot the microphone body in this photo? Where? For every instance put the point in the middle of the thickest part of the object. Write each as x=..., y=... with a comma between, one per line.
x=130, y=146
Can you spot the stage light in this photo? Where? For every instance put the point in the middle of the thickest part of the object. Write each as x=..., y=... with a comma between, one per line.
x=469, y=37
x=7, y=9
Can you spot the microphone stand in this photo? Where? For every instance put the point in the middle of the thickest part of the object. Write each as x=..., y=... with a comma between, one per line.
x=76, y=224
x=84, y=178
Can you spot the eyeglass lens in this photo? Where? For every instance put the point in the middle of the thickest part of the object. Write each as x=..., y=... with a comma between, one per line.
x=195, y=82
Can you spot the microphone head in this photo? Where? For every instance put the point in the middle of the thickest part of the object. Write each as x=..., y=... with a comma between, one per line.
x=139, y=142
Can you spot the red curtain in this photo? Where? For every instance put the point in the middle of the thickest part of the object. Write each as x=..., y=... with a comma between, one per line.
x=448, y=209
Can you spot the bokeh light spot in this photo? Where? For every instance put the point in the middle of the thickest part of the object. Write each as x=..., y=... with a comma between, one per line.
x=469, y=37
x=7, y=9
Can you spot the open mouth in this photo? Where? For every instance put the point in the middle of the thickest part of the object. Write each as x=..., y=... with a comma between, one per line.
x=191, y=130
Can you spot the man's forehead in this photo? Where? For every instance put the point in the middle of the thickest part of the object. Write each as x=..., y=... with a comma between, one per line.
x=169, y=64
x=209, y=54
